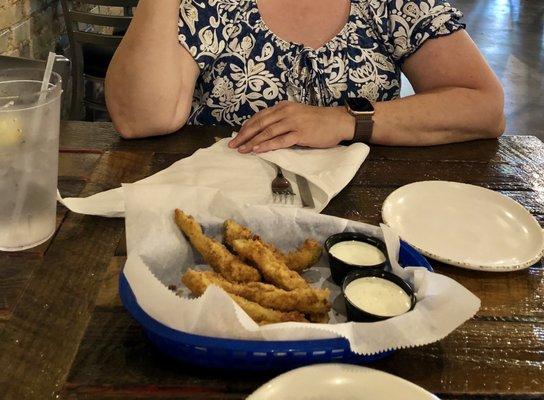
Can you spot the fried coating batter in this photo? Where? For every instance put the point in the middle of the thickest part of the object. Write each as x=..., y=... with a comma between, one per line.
x=214, y=253
x=233, y=230
x=261, y=315
x=319, y=318
x=305, y=256
x=308, y=300
x=297, y=260
x=272, y=269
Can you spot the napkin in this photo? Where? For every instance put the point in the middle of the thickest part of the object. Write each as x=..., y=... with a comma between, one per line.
x=158, y=254
x=245, y=178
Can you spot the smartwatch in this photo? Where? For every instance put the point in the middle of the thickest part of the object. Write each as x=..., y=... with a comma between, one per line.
x=363, y=111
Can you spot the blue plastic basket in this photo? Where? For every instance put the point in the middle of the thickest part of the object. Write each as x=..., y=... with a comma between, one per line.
x=212, y=352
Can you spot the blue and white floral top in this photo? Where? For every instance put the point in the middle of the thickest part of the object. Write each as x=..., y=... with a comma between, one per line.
x=245, y=67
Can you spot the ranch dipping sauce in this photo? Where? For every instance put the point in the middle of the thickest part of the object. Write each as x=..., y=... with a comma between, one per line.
x=355, y=252
x=378, y=296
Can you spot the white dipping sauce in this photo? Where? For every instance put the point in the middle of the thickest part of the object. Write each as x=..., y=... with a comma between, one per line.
x=357, y=253
x=378, y=296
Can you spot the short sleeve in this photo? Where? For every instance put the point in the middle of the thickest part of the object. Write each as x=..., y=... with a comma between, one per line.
x=200, y=30
x=407, y=25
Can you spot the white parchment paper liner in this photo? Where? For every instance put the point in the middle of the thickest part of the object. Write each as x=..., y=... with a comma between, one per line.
x=243, y=177
x=158, y=253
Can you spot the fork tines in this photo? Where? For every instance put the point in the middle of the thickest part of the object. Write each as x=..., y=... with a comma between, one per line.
x=282, y=191
x=283, y=197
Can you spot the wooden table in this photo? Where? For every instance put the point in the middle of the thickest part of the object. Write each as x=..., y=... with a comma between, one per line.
x=64, y=333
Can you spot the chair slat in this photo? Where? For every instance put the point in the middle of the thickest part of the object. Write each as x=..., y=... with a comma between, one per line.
x=111, y=3
x=95, y=105
x=97, y=39
x=114, y=21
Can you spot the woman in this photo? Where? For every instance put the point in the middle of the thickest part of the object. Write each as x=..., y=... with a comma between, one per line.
x=286, y=69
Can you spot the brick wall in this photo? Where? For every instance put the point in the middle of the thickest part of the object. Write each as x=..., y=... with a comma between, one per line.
x=29, y=28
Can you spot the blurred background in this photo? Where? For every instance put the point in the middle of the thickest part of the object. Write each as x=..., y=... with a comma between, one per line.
x=510, y=33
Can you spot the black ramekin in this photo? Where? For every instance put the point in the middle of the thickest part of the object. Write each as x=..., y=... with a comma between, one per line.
x=339, y=268
x=356, y=314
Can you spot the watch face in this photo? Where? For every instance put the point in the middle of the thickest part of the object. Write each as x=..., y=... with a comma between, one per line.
x=359, y=104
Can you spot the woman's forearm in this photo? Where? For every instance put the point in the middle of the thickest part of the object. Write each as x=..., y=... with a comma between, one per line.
x=444, y=115
x=437, y=116
x=150, y=80
x=458, y=97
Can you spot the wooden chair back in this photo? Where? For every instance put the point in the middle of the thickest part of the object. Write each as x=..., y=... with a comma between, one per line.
x=96, y=30
x=77, y=21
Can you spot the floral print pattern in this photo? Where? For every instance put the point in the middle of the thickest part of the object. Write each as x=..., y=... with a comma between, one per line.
x=245, y=67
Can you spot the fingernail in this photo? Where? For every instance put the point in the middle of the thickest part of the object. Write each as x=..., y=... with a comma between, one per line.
x=255, y=148
x=231, y=144
x=242, y=148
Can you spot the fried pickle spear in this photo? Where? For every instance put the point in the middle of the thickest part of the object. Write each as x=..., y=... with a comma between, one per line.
x=297, y=260
x=305, y=256
x=272, y=269
x=308, y=300
x=233, y=230
x=319, y=318
x=214, y=253
x=261, y=315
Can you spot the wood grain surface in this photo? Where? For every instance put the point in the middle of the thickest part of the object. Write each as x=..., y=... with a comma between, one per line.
x=64, y=333
x=481, y=357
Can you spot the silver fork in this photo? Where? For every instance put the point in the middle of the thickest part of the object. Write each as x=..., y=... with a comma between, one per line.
x=282, y=191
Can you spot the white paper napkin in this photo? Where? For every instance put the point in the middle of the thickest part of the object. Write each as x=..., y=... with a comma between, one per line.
x=245, y=178
x=158, y=254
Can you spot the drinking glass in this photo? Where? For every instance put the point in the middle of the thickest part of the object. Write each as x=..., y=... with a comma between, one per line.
x=29, y=150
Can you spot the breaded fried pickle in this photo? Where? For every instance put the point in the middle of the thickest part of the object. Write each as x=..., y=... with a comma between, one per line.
x=305, y=256
x=297, y=260
x=214, y=253
x=261, y=315
x=322, y=318
x=308, y=300
x=233, y=230
x=272, y=269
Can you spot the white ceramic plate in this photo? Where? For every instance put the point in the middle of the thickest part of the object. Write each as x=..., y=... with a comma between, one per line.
x=465, y=225
x=339, y=382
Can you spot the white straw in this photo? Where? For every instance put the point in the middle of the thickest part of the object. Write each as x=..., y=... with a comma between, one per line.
x=47, y=75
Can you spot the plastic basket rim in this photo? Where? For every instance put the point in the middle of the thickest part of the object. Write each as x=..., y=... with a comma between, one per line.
x=150, y=324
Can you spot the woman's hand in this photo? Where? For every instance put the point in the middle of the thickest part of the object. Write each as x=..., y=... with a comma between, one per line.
x=289, y=123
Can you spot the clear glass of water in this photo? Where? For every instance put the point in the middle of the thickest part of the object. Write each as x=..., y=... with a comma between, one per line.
x=29, y=153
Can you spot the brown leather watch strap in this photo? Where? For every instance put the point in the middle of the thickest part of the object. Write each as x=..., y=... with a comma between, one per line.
x=363, y=129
